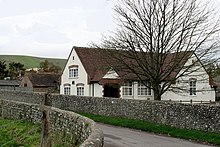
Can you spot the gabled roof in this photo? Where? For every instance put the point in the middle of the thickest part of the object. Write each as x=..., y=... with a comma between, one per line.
x=93, y=62
x=96, y=66
x=43, y=79
x=171, y=59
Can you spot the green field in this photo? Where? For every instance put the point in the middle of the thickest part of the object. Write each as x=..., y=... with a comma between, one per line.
x=30, y=61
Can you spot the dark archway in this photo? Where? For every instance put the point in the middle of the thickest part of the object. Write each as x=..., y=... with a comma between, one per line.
x=112, y=90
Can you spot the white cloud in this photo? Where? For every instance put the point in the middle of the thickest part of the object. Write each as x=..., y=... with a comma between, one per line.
x=49, y=33
x=52, y=27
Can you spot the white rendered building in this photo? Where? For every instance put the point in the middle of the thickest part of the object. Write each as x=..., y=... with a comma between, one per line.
x=84, y=75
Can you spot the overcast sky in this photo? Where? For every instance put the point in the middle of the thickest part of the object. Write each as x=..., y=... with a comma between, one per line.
x=49, y=28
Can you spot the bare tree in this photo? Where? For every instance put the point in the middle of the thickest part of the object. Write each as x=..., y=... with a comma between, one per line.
x=156, y=37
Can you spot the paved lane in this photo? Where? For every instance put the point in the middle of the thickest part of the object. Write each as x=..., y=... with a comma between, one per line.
x=124, y=137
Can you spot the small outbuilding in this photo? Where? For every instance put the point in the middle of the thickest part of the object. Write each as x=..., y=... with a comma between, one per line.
x=41, y=82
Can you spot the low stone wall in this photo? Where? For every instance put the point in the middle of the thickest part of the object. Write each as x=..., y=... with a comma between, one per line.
x=189, y=116
x=84, y=130
x=21, y=96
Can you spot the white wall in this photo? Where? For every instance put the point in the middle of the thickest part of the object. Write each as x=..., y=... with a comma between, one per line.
x=82, y=78
x=204, y=90
x=96, y=90
x=135, y=93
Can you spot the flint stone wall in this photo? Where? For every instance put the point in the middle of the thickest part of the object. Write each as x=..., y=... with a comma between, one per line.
x=189, y=116
x=84, y=130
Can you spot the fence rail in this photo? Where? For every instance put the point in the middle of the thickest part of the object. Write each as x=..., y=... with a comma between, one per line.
x=194, y=102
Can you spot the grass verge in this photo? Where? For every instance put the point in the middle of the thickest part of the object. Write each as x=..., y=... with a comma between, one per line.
x=20, y=133
x=195, y=135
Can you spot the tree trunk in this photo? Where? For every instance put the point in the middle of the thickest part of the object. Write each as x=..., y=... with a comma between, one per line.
x=157, y=92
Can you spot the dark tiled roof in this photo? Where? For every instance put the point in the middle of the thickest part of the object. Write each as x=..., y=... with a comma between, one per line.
x=93, y=62
x=43, y=79
x=9, y=82
x=96, y=66
x=170, y=62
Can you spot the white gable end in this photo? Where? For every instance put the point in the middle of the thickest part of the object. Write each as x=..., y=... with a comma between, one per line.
x=111, y=74
x=75, y=80
x=197, y=73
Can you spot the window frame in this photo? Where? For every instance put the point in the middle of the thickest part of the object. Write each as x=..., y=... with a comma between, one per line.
x=143, y=90
x=80, y=90
x=127, y=89
x=73, y=72
x=67, y=89
x=192, y=87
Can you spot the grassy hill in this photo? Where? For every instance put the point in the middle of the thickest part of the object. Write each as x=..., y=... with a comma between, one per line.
x=31, y=61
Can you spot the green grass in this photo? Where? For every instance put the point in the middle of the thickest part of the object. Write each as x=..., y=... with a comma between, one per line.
x=195, y=135
x=20, y=133
x=30, y=61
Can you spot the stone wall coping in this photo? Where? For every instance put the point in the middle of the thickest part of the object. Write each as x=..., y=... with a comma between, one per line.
x=95, y=138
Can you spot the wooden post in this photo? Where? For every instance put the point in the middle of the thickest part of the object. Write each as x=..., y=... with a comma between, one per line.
x=45, y=132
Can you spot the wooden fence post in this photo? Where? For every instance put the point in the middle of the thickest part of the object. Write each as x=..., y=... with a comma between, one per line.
x=45, y=133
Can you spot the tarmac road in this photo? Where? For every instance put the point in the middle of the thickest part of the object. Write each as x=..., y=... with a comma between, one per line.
x=124, y=137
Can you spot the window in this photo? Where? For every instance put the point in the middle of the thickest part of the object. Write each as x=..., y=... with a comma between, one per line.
x=192, y=87
x=144, y=90
x=67, y=89
x=73, y=72
x=127, y=89
x=80, y=90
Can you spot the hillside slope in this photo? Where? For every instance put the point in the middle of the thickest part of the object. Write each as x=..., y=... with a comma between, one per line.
x=31, y=61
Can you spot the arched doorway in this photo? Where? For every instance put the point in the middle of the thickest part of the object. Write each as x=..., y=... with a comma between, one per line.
x=111, y=90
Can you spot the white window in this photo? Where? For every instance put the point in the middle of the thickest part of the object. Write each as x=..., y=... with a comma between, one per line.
x=80, y=90
x=73, y=72
x=127, y=89
x=144, y=90
x=67, y=89
x=192, y=87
